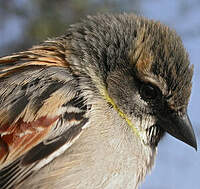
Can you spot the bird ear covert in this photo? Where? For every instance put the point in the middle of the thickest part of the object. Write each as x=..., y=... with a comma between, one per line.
x=87, y=109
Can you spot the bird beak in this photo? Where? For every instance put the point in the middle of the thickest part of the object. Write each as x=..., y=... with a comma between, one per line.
x=180, y=127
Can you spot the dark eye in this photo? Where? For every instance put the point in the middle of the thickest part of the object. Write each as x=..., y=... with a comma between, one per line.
x=148, y=92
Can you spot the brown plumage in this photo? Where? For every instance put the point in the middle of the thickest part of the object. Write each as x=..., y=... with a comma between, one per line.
x=87, y=109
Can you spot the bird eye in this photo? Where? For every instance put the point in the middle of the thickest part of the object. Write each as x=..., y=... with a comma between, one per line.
x=148, y=92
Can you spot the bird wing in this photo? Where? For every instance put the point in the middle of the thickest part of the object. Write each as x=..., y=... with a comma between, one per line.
x=41, y=111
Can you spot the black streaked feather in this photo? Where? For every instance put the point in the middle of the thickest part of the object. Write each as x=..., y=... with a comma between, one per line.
x=44, y=150
x=31, y=88
x=18, y=107
x=73, y=115
x=47, y=93
x=77, y=102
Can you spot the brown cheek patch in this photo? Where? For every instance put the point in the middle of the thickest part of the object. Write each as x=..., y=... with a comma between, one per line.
x=141, y=56
x=144, y=63
x=22, y=136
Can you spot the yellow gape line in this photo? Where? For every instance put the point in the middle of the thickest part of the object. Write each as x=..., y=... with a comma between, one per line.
x=122, y=114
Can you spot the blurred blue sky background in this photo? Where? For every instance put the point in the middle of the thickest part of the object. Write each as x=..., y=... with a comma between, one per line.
x=24, y=23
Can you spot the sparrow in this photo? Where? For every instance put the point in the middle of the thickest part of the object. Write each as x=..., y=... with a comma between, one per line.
x=86, y=110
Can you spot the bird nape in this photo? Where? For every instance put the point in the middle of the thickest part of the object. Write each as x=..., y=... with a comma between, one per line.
x=87, y=109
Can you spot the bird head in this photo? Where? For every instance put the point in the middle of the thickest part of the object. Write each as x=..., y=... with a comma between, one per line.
x=142, y=70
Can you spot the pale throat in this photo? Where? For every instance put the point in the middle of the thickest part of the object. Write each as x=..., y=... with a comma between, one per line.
x=136, y=131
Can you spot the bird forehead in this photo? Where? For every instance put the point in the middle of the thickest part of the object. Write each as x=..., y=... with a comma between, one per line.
x=159, y=57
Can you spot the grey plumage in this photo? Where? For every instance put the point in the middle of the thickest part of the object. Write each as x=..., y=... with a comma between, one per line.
x=89, y=108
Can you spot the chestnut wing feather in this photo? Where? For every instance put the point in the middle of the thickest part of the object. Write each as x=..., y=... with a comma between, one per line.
x=41, y=115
